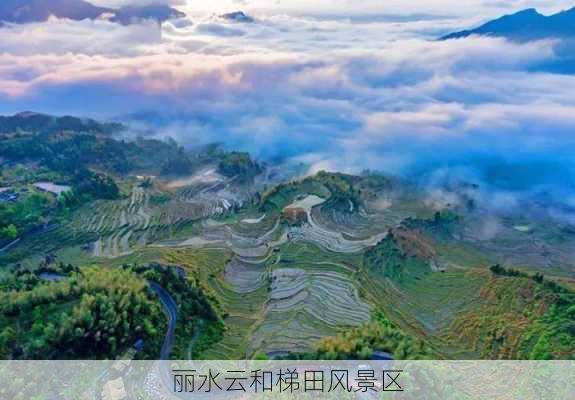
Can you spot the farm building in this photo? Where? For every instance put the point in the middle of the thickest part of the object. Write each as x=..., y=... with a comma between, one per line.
x=295, y=215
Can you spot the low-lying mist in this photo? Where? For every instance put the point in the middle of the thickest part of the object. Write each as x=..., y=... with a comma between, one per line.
x=334, y=94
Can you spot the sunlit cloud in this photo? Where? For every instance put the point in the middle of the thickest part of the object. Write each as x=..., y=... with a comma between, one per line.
x=319, y=83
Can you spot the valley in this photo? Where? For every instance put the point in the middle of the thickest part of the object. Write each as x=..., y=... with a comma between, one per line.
x=327, y=265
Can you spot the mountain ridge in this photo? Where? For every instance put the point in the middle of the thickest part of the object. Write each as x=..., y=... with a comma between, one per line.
x=524, y=25
x=29, y=11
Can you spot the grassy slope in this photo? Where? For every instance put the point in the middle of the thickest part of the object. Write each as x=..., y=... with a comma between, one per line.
x=517, y=318
x=470, y=313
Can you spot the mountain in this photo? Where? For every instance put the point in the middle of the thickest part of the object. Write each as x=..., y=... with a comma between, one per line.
x=35, y=122
x=237, y=16
x=525, y=25
x=157, y=12
x=26, y=11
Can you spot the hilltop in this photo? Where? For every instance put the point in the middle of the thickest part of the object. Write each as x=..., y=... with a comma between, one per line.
x=525, y=25
x=374, y=265
x=26, y=11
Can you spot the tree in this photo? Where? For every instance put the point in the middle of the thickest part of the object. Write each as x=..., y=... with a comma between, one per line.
x=497, y=269
x=9, y=232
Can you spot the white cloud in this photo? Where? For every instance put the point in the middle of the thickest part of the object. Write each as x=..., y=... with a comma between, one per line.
x=120, y=3
x=339, y=93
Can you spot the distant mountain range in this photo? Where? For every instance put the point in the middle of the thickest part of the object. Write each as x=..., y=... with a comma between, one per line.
x=42, y=123
x=26, y=11
x=237, y=16
x=525, y=25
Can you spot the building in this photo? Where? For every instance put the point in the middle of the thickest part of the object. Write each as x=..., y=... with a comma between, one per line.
x=295, y=215
x=114, y=390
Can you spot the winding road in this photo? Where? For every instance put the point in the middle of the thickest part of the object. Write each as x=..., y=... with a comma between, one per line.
x=171, y=310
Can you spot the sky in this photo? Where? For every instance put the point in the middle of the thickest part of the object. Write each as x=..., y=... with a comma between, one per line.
x=336, y=84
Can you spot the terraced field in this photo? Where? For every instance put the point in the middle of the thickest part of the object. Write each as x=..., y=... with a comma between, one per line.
x=280, y=287
x=126, y=225
x=541, y=245
x=278, y=291
x=284, y=304
x=358, y=224
x=305, y=305
x=120, y=226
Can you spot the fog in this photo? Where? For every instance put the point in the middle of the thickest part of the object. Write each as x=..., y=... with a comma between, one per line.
x=323, y=85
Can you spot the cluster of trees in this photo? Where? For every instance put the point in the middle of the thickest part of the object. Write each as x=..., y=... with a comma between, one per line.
x=538, y=277
x=21, y=279
x=32, y=210
x=81, y=153
x=73, y=151
x=336, y=186
x=238, y=164
x=94, y=313
x=35, y=122
x=363, y=342
x=342, y=189
x=96, y=185
x=557, y=340
x=346, y=189
x=389, y=260
x=442, y=226
x=23, y=215
x=181, y=164
x=194, y=310
x=386, y=258
x=76, y=148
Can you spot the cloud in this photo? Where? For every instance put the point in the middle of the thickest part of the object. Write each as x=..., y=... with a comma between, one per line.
x=219, y=30
x=121, y=3
x=335, y=93
x=64, y=37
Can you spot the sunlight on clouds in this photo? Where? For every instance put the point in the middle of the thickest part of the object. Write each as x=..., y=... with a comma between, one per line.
x=336, y=84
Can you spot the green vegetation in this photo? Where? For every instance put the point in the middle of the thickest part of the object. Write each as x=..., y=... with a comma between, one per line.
x=389, y=260
x=472, y=313
x=196, y=317
x=71, y=152
x=341, y=189
x=96, y=185
x=90, y=313
x=442, y=226
x=360, y=343
x=241, y=165
x=522, y=316
x=246, y=284
x=34, y=122
x=24, y=215
x=275, y=199
x=180, y=164
x=60, y=311
x=516, y=317
x=239, y=312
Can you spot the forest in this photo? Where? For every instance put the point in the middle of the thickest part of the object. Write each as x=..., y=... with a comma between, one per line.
x=90, y=312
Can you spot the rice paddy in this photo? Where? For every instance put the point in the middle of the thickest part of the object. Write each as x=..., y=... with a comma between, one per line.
x=280, y=288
